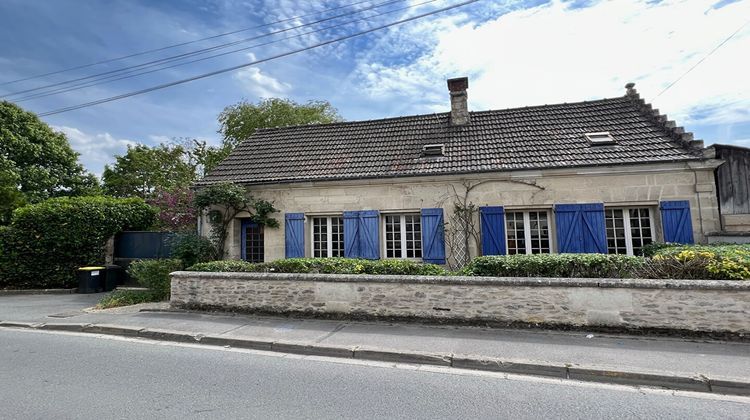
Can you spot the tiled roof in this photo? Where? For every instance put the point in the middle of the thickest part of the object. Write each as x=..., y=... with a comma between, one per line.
x=540, y=137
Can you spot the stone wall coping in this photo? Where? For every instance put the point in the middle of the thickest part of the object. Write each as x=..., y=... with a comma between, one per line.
x=738, y=285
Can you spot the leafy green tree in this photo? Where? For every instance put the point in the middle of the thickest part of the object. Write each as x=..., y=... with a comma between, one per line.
x=10, y=196
x=37, y=161
x=239, y=121
x=206, y=157
x=143, y=170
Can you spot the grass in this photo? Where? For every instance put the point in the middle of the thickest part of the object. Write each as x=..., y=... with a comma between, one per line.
x=127, y=297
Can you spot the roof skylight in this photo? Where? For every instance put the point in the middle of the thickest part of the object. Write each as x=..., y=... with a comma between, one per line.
x=600, y=138
x=433, y=150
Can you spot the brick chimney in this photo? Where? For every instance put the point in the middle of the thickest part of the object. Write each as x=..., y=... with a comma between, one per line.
x=459, y=107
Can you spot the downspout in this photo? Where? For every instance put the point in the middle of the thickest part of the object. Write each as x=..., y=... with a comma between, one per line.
x=700, y=212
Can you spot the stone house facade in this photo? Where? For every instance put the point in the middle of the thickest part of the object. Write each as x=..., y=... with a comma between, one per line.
x=605, y=176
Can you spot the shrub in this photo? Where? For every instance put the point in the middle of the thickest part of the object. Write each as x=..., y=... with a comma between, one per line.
x=649, y=250
x=721, y=262
x=225, y=266
x=192, y=249
x=555, y=265
x=126, y=298
x=327, y=266
x=47, y=241
x=154, y=274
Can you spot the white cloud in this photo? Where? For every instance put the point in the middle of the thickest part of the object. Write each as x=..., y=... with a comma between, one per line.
x=554, y=53
x=96, y=150
x=260, y=84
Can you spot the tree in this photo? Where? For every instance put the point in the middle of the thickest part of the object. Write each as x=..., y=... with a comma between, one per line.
x=239, y=121
x=36, y=161
x=10, y=196
x=142, y=170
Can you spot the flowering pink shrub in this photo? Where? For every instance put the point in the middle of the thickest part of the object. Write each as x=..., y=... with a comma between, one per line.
x=176, y=211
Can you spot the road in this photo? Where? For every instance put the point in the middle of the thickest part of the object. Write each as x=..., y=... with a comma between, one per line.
x=55, y=375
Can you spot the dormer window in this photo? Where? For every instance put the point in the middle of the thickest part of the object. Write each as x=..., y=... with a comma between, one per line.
x=433, y=150
x=601, y=138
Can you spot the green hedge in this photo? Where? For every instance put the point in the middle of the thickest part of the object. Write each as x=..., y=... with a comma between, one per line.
x=326, y=265
x=154, y=274
x=696, y=262
x=46, y=242
x=555, y=265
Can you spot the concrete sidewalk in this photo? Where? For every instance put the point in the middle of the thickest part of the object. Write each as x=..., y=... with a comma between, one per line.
x=722, y=367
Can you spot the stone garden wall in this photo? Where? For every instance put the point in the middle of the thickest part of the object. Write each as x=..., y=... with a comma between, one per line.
x=697, y=305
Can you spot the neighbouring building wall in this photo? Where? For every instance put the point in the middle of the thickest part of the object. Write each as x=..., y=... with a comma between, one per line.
x=733, y=182
x=643, y=186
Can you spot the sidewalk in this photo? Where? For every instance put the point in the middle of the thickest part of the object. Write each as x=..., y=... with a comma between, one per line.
x=722, y=367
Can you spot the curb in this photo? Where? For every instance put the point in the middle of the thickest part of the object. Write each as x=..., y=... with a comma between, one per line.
x=683, y=383
x=5, y=292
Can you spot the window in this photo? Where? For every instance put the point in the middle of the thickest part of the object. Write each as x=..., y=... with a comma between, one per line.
x=252, y=237
x=600, y=139
x=327, y=237
x=527, y=232
x=628, y=230
x=403, y=236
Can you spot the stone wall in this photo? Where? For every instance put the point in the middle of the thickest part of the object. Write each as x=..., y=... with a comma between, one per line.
x=633, y=185
x=698, y=305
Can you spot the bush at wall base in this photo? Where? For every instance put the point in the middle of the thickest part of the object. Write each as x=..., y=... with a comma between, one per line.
x=154, y=274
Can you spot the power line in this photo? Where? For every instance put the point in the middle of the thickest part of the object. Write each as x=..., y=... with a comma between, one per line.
x=138, y=72
x=180, y=44
x=703, y=59
x=198, y=52
x=252, y=63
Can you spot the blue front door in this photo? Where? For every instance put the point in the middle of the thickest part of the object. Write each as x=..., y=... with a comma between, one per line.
x=252, y=241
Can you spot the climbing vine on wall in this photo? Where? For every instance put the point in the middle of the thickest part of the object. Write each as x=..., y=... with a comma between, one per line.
x=223, y=202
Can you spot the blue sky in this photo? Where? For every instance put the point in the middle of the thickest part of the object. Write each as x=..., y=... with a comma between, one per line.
x=515, y=54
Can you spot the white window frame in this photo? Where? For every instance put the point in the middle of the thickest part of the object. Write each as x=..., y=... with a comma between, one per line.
x=527, y=230
x=402, y=230
x=329, y=234
x=626, y=226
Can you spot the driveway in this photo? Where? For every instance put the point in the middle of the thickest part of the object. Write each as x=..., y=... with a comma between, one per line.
x=45, y=308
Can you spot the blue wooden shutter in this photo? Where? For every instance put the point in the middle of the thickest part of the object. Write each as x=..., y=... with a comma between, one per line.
x=351, y=234
x=676, y=221
x=294, y=227
x=369, y=236
x=433, y=236
x=493, y=230
x=580, y=228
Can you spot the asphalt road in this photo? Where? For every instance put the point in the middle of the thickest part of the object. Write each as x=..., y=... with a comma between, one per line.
x=47, y=376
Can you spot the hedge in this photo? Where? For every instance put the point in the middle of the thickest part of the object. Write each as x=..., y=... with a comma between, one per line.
x=327, y=266
x=696, y=262
x=555, y=265
x=46, y=242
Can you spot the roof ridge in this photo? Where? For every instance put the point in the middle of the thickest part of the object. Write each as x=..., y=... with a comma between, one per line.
x=677, y=133
x=402, y=117
x=435, y=114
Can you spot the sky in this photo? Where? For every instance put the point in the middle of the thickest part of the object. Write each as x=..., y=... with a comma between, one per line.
x=515, y=53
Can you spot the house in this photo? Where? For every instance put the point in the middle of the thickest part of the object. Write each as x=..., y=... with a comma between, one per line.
x=606, y=176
